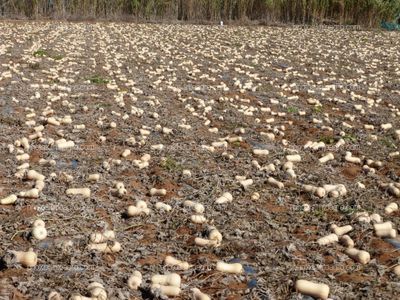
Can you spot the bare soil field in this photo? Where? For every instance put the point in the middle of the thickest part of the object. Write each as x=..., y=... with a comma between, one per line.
x=237, y=161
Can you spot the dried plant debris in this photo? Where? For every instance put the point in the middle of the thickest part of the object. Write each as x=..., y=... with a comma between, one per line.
x=153, y=161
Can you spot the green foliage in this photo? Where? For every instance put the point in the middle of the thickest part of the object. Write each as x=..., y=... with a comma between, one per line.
x=236, y=144
x=40, y=53
x=350, y=138
x=171, y=165
x=388, y=142
x=349, y=209
x=328, y=140
x=317, y=109
x=43, y=53
x=97, y=79
x=319, y=213
x=292, y=109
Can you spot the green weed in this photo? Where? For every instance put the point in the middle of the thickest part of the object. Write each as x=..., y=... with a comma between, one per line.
x=96, y=79
x=171, y=165
x=40, y=53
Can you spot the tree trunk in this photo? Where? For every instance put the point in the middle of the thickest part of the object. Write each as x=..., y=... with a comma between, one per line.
x=180, y=10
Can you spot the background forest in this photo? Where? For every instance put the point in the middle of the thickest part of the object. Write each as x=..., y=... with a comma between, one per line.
x=360, y=12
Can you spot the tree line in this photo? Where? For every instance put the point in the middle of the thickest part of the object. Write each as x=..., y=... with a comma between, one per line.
x=344, y=12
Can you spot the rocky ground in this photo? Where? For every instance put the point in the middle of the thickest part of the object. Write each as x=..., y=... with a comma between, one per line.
x=204, y=111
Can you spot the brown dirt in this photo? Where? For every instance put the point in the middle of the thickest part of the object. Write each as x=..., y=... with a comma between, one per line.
x=272, y=237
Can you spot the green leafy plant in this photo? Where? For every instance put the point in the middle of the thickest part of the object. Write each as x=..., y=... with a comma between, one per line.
x=40, y=53
x=319, y=213
x=350, y=138
x=171, y=164
x=388, y=142
x=236, y=144
x=327, y=139
x=96, y=79
x=317, y=109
